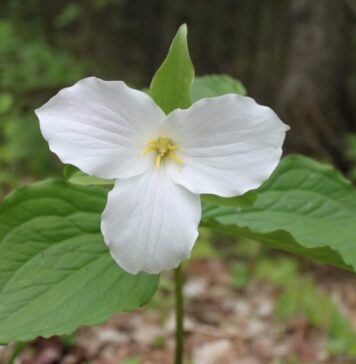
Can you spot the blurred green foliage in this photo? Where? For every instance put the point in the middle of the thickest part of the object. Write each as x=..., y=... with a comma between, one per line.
x=240, y=275
x=131, y=360
x=33, y=66
x=30, y=72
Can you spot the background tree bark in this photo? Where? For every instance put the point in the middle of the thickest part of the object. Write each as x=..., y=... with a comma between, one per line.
x=313, y=97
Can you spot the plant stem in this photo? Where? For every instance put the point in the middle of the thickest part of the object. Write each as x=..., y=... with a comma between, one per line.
x=16, y=352
x=178, y=277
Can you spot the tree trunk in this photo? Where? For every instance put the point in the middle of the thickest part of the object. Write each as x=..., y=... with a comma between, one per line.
x=312, y=98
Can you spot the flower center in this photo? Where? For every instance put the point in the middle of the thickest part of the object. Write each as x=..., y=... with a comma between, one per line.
x=163, y=146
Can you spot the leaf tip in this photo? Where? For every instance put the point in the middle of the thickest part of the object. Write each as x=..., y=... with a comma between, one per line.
x=183, y=29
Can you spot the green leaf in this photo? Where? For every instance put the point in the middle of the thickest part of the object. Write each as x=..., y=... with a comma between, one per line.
x=56, y=273
x=244, y=201
x=306, y=208
x=69, y=170
x=170, y=86
x=75, y=175
x=6, y=102
x=81, y=178
x=215, y=85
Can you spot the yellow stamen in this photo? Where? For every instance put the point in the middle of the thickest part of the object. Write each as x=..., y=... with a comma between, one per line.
x=175, y=157
x=151, y=141
x=163, y=146
x=158, y=160
x=150, y=148
x=173, y=147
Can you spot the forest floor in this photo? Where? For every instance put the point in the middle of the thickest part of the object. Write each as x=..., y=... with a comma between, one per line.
x=285, y=318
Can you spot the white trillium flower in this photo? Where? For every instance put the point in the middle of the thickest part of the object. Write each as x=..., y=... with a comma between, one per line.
x=161, y=163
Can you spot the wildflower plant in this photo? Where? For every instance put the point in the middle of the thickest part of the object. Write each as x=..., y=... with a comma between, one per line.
x=191, y=152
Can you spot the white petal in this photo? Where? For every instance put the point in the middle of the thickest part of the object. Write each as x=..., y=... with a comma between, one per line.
x=100, y=127
x=229, y=144
x=150, y=223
